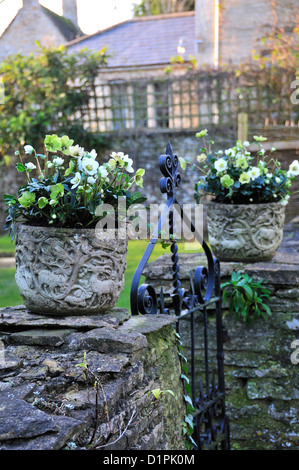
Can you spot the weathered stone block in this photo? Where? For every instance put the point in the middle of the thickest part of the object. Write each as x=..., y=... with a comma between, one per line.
x=275, y=274
x=40, y=337
x=19, y=316
x=66, y=429
x=107, y=340
x=19, y=419
x=273, y=389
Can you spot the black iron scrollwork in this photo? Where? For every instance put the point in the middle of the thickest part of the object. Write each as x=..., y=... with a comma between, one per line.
x=169, y=166
x=144, y=298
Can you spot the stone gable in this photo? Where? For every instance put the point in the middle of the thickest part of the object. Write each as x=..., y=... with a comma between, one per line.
x=34, y=23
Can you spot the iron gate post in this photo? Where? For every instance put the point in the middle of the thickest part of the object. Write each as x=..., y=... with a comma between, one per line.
x=208, y=398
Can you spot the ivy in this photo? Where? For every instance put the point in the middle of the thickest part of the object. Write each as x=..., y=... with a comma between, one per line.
x=188, y=424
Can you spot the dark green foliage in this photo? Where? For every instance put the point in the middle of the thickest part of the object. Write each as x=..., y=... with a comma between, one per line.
x=246, y=297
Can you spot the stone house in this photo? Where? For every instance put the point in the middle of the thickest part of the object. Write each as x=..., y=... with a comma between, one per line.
x=217, y=33
x=33, y=22
x=134, y=90
x=140, y=48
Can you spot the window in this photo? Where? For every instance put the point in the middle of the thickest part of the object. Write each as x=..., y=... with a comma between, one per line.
x=119, y=106
x=140, y=104
x=162, y=98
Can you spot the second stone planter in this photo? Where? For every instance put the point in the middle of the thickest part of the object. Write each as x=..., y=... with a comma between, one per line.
x=245, y=232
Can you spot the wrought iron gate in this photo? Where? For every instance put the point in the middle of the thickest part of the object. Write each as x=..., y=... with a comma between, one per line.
x=211, y=429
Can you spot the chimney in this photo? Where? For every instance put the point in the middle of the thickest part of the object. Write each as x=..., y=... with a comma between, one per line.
x=207, y=32
x=30, y=3
x=69, y=8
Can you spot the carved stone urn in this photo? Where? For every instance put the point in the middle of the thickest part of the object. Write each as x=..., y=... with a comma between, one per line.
x=65, y=271
x=245, y=232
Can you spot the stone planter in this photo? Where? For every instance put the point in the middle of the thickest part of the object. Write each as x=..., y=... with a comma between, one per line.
x=245, y=233
x=68, y=271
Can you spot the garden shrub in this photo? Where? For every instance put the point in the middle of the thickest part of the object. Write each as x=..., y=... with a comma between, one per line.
x=46, y=93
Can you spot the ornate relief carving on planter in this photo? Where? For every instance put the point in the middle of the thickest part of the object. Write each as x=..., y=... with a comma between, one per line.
x=68, y=271
x=248, y=233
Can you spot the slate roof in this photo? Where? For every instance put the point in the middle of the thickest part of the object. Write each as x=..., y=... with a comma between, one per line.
x=143, y=41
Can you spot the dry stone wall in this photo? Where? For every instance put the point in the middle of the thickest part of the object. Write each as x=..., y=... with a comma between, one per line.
x=48, y=402
x=261, y=362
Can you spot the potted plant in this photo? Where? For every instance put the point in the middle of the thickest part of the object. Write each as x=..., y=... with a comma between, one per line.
x=249, y=193
x=65, y=265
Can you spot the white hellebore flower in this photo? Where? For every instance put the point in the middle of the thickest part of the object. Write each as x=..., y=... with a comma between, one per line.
x=230, y=152
x=117, y=155
x=76, y=180
x=103, y=172
x=76, y=151
x=80, y=163
x=201, y=158
x=294, y=168
x=91, y=180
x=28, y=149
x=220, y=165
x=90, y=166
x=30, y=166
x=93, y=154
x=246, y=143
x=129, y=163
x=285, y=200
x=58, y=161
x=254, y=173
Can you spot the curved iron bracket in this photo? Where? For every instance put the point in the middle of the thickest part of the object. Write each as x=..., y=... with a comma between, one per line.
x=143, y=298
